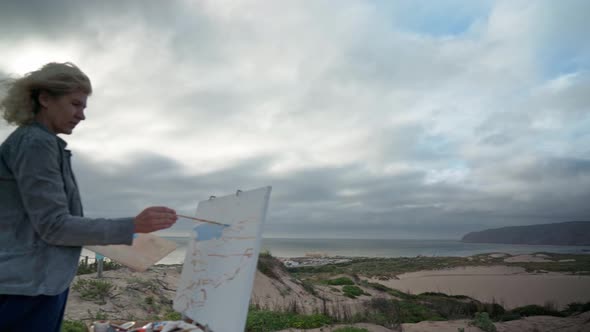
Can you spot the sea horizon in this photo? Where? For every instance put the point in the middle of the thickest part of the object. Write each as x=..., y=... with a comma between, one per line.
x=300, y=247
x=382, y=248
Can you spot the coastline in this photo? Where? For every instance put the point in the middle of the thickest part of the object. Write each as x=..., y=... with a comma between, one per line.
x=299, y=247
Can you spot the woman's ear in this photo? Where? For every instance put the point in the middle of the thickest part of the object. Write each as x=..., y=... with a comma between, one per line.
x=44, y=99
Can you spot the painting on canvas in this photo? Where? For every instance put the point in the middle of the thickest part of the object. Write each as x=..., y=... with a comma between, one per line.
x=220, y=262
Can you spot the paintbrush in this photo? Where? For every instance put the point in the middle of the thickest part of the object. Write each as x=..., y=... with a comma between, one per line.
x=203, y=220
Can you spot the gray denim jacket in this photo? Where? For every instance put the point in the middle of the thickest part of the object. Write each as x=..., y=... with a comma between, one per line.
x=42, y=228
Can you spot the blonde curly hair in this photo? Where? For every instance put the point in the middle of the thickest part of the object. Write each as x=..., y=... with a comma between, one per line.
x=21, y=102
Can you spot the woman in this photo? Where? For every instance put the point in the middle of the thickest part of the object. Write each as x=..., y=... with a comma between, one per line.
x=42, y=228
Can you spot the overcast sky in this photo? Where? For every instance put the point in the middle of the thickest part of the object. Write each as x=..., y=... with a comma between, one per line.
x=387, y=119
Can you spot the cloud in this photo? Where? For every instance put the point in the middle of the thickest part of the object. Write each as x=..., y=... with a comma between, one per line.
x=371, y=119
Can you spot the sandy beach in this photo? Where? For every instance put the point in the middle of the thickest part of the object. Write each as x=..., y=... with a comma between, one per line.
x=509, y=286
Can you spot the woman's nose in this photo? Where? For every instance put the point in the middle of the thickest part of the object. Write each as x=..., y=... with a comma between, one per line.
x=80, y=115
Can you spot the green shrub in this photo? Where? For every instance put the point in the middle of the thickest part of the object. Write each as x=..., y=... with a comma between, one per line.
x=378, y=286
x=99, y=315
x=93, y=290
x=483, y=321
x=494, y=310
x=265, y=253
x=350, y=329
x=352, y=291
x=576, y=307
x=400, y=294
x=380, y=308
x=389, y=312
x=340, y=281
x=414, y=312
x=266, y=321
x=459, y=297
x=535, y=310
x=448, y=307
x=73, y=326
x=86, y=268
x=268, y=265
x=508, y=316
x=172, y=315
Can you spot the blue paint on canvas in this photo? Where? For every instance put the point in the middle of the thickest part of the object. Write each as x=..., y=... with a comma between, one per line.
x=208, y=232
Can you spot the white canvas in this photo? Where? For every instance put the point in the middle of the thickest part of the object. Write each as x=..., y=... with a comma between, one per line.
x=220, y=263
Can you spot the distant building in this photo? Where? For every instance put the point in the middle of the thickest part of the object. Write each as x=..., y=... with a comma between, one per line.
x=291, y=263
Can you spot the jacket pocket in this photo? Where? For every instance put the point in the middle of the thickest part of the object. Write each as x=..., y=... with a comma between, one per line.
x=17, y=268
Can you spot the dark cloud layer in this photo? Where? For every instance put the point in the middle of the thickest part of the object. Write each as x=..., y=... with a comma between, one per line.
x=308, y=202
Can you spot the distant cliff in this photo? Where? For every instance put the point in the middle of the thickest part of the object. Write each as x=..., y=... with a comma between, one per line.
x=573, y=233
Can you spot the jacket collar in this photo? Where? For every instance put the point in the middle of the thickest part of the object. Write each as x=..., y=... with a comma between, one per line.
x=60, y=141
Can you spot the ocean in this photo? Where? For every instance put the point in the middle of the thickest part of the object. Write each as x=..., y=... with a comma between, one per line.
x=282, y=247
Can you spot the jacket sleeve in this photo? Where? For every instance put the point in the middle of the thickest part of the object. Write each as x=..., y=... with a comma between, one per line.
x=36, y=168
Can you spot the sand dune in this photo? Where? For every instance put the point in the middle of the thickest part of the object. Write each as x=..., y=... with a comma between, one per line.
x=508, y=285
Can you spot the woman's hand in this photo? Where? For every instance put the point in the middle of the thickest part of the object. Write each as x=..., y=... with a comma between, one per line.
x=154, y=219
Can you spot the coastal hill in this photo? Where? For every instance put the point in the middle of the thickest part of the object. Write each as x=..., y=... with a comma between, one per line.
x=369, y=294
x=573, y=233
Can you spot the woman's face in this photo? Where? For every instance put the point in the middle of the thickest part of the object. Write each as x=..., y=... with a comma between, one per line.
x=62, y=114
